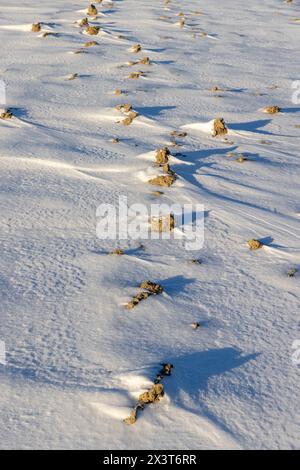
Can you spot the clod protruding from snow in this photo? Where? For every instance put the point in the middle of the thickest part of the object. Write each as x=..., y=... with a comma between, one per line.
x=167, y=169
x=219, y=127
x=215, y=88
x=136, y=48
x=6, y=114
x=163, y=180
x=36, y=27
x=72, y=76
x=83, y=22
x=124, y=108
x=196, y=261
x=241, y=159
x=272, y=110
x=117, y=251
x=166, y=369
x=131, y=419
x=178, y=134
x=91, y=44
x=92, y=30
x=136, y=75
x=165, y=223
x=152, y=287
x=92, y=10
x=292, y=272
x=162, y=156
x=254, y=244
x=130, y=118
x=145, y=61
x=127, y=121
x=153, y=395
x=181, y=22
x=137, y=299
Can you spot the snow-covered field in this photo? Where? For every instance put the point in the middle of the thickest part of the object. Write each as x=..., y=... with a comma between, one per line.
x=76, y=358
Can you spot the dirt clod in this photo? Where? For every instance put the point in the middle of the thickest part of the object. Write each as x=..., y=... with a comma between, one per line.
x=6, y=114
x=133, y=114
x=36, y=27
x=292, y=272
x=145, y=61
x=127, y=121
x=137, y=299
x=84, y=22
x=167, y=169
x=254, y=244
x=72, y=76
x=153, y=395
x=92, y=10
x=178, y=134
x=162, y=156
x=91, y=44
x=272, y=110
x=163, y=180
x=196, y=261
x=164, y=223
x=136, y=75
x=124, y=108
x=93, y=30
x=136, y=48
x=117, y=251
x=131, y=419
x=166, y=369
x=152, y=287
x=219, y=127
x=241, y=159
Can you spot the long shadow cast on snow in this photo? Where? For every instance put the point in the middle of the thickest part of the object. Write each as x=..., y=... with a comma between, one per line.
x=198, y=161
x=193, y=372
x=153, y=111
x=176, y=284
x=251, y=126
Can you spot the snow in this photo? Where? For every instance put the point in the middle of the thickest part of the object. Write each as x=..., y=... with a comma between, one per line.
x=77, y=360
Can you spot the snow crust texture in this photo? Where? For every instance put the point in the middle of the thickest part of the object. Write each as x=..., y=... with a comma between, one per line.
x=76, y=359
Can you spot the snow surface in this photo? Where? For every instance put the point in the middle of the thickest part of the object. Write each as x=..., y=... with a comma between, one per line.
x=76, y=359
